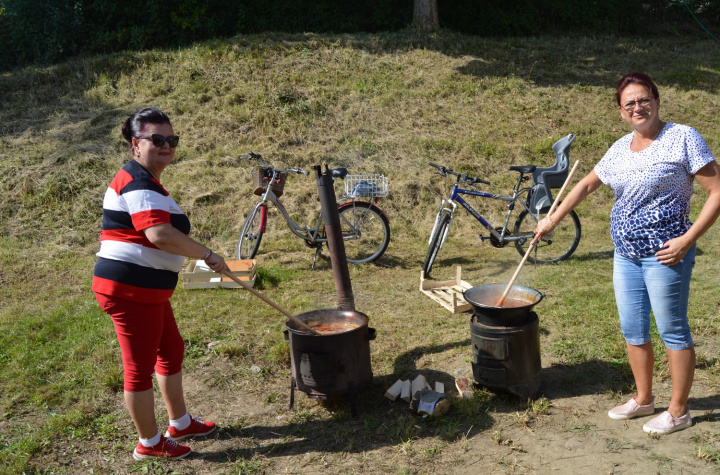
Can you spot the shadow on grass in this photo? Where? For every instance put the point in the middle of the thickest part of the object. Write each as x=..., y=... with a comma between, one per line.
x=594, y=256
x=406, y=363
x=379, y=423
x=552, y=62
x=588, y=377
x=500, y=266
x=598, y=377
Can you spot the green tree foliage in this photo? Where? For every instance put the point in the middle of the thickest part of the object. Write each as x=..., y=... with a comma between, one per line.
x=45, y=31
x=42, y=31
x=531, y=17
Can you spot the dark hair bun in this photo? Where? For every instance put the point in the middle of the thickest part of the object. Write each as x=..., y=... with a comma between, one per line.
x=133, y=125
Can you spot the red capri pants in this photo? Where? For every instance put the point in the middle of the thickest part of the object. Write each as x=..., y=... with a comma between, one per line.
x=149, y=339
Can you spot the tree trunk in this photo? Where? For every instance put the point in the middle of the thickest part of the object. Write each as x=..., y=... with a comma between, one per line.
x=425, y=15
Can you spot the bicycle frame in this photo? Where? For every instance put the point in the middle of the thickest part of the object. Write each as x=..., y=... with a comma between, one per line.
x=365, y=228
x=312, y=235
x=449, y=206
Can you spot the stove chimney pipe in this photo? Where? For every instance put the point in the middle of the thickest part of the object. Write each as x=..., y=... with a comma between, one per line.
x=336, y=245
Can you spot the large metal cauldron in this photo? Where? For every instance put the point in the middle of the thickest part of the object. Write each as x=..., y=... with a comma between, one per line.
x=331, y=363
x=505, y=340
x=515, y=310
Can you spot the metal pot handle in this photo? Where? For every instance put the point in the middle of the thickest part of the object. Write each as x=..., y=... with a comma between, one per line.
x=371, y=334
x=286, y=334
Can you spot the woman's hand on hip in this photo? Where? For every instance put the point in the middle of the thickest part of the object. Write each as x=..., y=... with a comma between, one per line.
x=673, y=251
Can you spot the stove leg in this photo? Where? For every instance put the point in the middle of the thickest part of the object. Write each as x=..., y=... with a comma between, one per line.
x=353, y=400
x=292, y=393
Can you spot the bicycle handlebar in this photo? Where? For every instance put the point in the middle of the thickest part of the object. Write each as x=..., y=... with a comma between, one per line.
x=296, y=170
x=254, y=156
x=275, y=171
x=251, y=156
x=257, y=156
x=463, y=177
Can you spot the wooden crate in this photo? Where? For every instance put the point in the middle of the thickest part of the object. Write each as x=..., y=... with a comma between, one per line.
x=198, y=276
x=448, y=293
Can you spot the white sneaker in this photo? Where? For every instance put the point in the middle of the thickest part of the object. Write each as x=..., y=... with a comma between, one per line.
x=665, y=423
x=632, y=409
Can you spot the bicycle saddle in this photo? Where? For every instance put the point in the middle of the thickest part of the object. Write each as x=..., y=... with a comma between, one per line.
x=338, y=173
x=523, y=169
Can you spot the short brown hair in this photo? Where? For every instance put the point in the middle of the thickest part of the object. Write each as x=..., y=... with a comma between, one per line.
x=636, y=78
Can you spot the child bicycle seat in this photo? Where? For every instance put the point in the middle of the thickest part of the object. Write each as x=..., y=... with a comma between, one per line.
x=546, y=178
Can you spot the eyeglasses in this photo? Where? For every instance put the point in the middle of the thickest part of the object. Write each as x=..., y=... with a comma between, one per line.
x=159, y=140
x=630, y=105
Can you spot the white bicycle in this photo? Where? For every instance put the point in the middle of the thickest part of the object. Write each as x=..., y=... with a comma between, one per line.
x=365, y=228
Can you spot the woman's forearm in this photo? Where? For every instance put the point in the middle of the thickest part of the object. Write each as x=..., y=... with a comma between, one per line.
x=707, y=217
x=171, y=240
x=709, y=179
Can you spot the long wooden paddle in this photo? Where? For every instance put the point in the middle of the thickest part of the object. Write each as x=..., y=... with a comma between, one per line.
x=535, y=240
x=270, y=302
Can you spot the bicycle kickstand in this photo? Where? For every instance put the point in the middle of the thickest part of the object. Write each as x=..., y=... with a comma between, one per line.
x=318, y=249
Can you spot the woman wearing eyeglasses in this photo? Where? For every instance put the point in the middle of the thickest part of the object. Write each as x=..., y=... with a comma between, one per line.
x=651, y=171
x=143, y=244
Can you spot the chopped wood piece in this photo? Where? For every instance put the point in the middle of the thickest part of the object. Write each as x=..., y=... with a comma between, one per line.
x=439, y=387
x=394, y=392
x=464, y=387
x=417, y=385
x=405, y=391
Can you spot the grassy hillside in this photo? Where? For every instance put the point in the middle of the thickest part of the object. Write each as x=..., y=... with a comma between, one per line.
x=372, y=103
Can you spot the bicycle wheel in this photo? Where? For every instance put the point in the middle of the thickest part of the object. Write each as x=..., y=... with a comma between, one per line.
x=365, y=230
x=556, y=246
x=436, y=241
x=252, y=232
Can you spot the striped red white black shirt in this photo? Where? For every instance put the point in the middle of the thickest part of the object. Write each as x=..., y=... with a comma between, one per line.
x=129, y=265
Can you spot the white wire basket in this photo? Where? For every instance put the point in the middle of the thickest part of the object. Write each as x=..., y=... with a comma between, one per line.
x=366, y=186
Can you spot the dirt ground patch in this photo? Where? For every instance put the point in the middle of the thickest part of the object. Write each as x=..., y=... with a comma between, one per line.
x=570, y=434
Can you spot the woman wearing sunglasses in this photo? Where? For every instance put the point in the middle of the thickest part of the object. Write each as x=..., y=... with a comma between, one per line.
x=143, y=244
x=651, y=171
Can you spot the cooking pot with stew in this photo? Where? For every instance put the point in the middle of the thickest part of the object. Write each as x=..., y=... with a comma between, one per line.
x=516, y=308
x=336, y=360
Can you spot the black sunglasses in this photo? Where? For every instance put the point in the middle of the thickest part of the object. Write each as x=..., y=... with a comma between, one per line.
x=159, y=140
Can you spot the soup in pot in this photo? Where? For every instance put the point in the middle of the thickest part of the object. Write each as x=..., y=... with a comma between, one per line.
x=334, y=327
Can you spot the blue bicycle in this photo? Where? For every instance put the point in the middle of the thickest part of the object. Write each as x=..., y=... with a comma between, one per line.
x=534, y=200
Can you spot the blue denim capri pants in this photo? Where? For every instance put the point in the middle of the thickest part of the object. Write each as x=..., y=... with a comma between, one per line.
x=643, y=284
